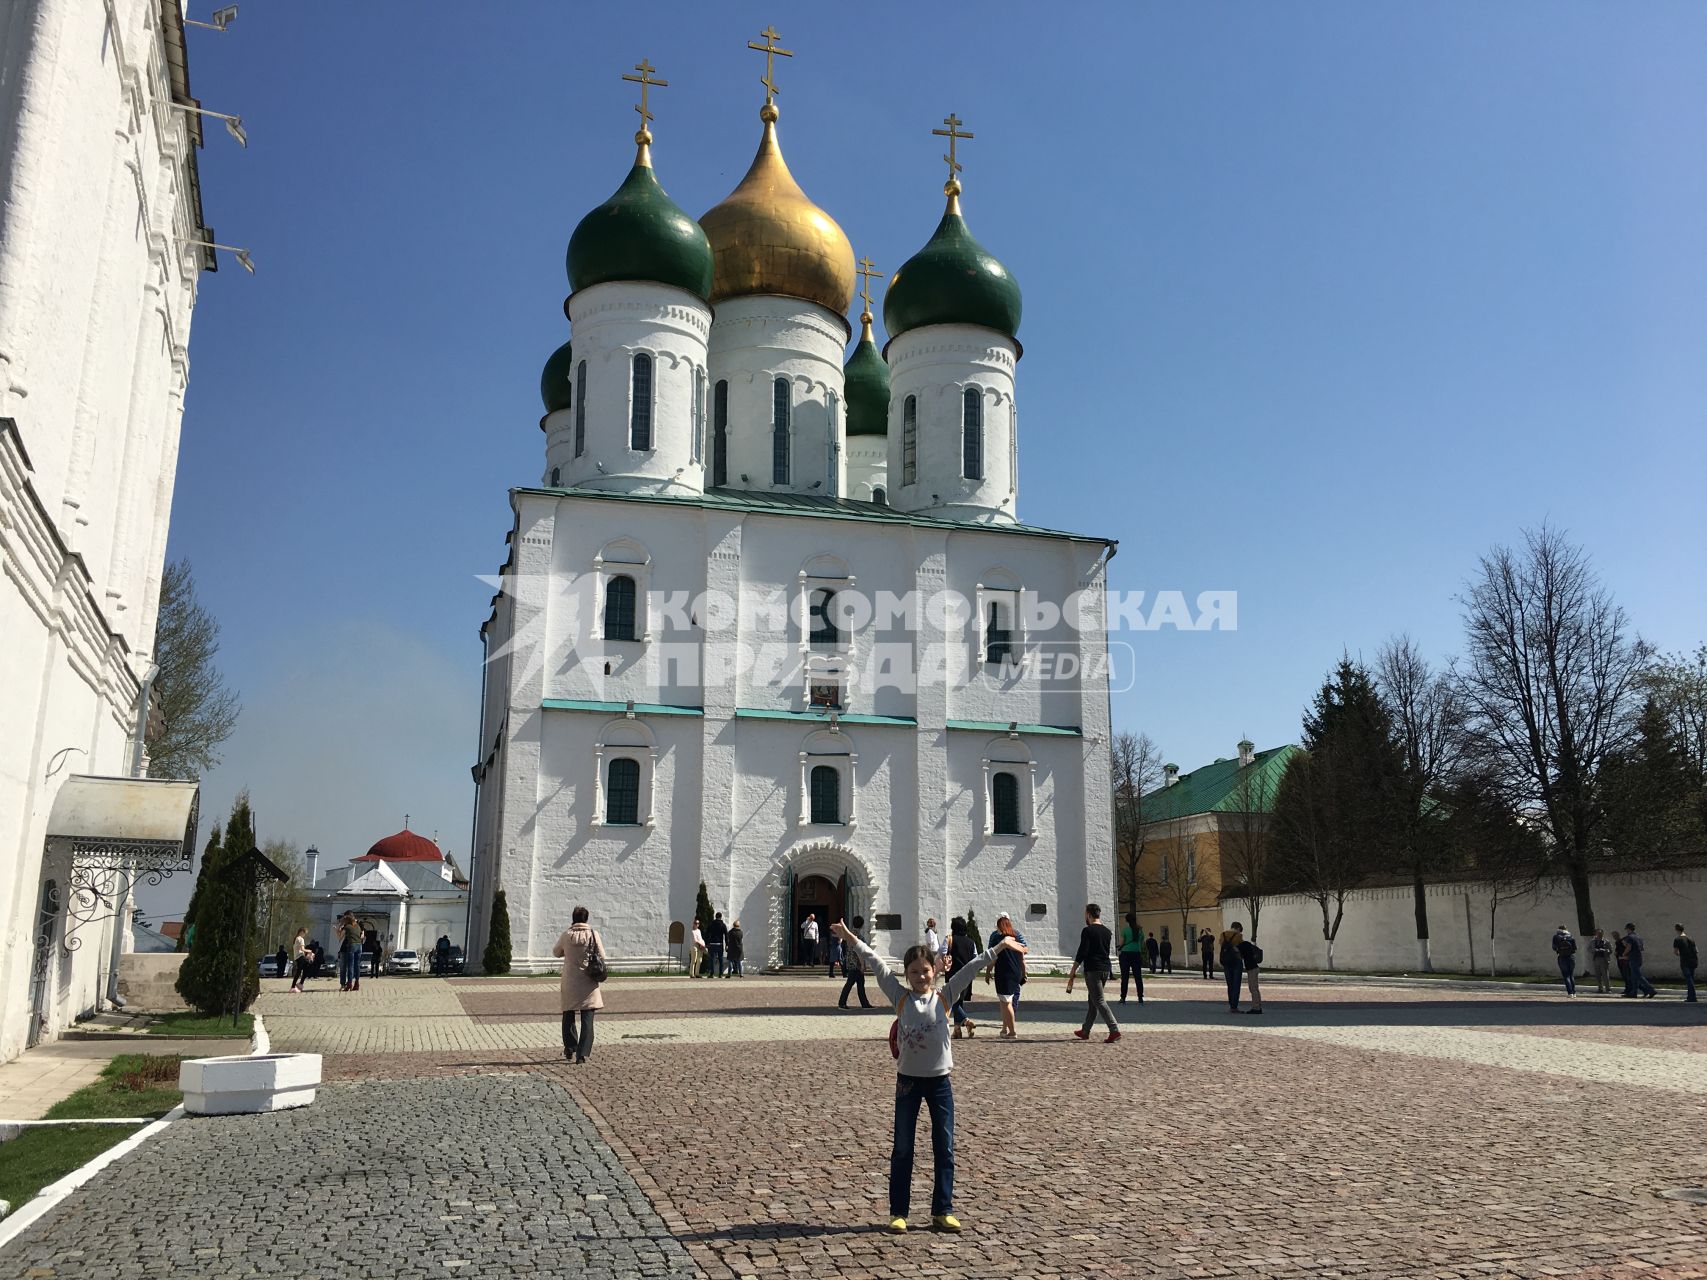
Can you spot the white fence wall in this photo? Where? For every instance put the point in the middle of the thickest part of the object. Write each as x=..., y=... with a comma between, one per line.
x=1379, y=929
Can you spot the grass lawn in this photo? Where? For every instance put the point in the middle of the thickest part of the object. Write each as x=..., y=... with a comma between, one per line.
x=37, y=1157
x=188, y=1023
x=131, y=1085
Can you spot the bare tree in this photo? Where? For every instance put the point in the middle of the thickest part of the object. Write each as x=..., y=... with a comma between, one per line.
x=1550, y=685
x=196, y=711
x=1245, y=847
x=1426, y=716
x=283, y=905
x=1136, y=765
x=1177, y=883
x=1313, y=850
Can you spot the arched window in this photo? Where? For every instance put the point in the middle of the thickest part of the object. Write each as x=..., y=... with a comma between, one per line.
x=696, y=446
x=823, y=630
x=831, y=486
x=972, y=434
x=619, y=608
x=640, y=407
x=780, y=408
x=826, y=794
x=999, y=635
x=879, y=496
x=1004, y=796
x=556, y=477
x=622, y=793
x=910, y=440
x=580, y=408
x=720, y=434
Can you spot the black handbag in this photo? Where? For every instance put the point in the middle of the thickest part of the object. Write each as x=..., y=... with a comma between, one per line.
x=594, y=966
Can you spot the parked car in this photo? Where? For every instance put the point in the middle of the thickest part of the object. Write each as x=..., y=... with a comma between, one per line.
x=456, y=961
x=270, y=966
x=404, y=962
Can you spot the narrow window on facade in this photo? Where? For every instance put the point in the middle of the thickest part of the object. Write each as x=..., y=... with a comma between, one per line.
x=910, y=440
x=831, y=487
x=622, y=793
x=826, y=794
x=619, y=608
x=1004, y=798
x=580, y=408
x=825, y=693
x=972, y=434
x=821, y=611
x=999, y=635
x=1191, y=866
x=780, y=408
x=640, y=408
x=880, y=496
x=720, y=434
x=696, y=446
x=556, y=474
x=1164, y=875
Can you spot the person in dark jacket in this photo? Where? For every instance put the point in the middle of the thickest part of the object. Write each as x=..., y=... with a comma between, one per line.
x=716, y=935
x=1687, y=958
x=1153, y=950
x=1131, y=956
x=1565, y=949
x=1206, y=949
x=853, y=969
x=1233, y=967
x=737, y=943
x=961, y=951
x=1250, y=955
x=1167, y=953
x=1094, y=940
x=1635, y=981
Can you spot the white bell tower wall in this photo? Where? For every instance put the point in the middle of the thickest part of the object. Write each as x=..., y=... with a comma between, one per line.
x=935, y=366
x=611, y=324
x=756, y=340
x=867, y=467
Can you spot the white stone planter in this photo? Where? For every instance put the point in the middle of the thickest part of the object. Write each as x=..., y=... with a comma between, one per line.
x=257, y=1082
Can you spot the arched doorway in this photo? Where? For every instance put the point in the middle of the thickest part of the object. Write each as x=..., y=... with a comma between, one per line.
x=826, y=879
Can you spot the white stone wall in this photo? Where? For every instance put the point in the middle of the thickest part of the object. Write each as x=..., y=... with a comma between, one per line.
x=611, y=324
x=722, y=794
x=936, y=364
x=96, y=291
x=754, y=341
x=867, y=466
x=1379, y=929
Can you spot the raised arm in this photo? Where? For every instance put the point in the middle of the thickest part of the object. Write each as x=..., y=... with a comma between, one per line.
x=887, y=982
x=961, y=979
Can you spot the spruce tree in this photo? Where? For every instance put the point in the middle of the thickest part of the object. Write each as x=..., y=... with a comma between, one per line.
x=209, y=854
x=702, y=906
x=496, y=958
x=221, y=973
x=972, y=930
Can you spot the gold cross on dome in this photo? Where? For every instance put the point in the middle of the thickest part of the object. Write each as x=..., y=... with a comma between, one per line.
x=645, y=81
x=953, y=134
x=772, y=51
x=870, y=273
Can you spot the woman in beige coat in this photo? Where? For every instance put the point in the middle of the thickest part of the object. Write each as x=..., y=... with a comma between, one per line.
x=578, y=994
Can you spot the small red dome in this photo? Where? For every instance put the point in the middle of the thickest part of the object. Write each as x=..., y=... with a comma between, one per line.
x=405, y=846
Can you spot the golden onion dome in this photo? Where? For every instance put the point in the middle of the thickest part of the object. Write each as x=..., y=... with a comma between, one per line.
x=767, y=237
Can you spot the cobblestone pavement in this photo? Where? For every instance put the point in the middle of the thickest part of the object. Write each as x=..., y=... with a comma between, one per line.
x=743, y=1129
x=480, y=1177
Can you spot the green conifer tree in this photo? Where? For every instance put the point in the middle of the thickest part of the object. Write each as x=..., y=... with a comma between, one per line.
x=221, y=973
x=702, y=907
x=209, y=854
x=496, y=957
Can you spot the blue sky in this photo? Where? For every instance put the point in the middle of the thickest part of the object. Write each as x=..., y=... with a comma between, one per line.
x=1321, y=302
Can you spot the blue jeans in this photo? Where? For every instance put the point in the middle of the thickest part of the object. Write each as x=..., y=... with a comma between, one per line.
x=1235, y=979
x=714, y=964
x=1638, y=983
x=938, y=1094
x=349, y=966
x=1568, y=971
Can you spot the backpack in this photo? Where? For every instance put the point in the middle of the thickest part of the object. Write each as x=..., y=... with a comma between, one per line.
x=1256, y=956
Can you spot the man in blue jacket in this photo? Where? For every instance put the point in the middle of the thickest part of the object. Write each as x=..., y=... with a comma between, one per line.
x=1635, y=982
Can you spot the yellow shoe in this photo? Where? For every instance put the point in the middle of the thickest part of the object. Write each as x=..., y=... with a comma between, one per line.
x=945, y=1222
x=897, y=1226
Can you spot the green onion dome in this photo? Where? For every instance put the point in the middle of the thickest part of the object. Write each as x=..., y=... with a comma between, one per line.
x=952, y=280
x=557, y=378
x=866, y=385
x=640, y=234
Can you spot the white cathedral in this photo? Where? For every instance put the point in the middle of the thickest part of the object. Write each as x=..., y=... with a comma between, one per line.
x=771, y=620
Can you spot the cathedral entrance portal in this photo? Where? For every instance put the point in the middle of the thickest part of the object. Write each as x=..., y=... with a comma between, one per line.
x=820, y=898
x=827, y=880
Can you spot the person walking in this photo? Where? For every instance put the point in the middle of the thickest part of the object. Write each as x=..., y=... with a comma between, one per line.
x=696, y=949
x=281, y=960
x=716, y=936
x=1094, y=940
x=1621, y=953
x=1167, y=953
x=1636, y=984
x=1206, y=950
x=1010, y=973
x=349, y=935
x=1152, y=952
x=961, y=949
x=833, y=950
x=1565, y=950
x=299, y=964
x=809, y=939
x=1600, y=956
x=1687, y=958
x=933, y=941
x=1131, y=956
x=374, y=953
x=1233, y=967
x=577, y=990
x=924, y=1061
x=737, y=942
x=853, y=969
x=1250, y=955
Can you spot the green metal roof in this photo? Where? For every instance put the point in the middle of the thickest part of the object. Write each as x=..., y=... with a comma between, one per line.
x=822, y=717
x=865, y=381
x=640, y=234
x=809, y=504
x=1218, y=787
x=1001, y=726
x=952, y=280
x=554, y=381
x=618, y=708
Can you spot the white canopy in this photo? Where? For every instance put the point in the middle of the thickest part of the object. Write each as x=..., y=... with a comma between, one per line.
x=133, y=815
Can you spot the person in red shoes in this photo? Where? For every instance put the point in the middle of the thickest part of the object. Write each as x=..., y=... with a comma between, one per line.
x=1092, y=955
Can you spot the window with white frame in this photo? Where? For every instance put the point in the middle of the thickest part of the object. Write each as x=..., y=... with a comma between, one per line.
x=696, y=446
x=782, y=409
x=624, y=764
x=827, y=795
x=622, y=792
x=825, y=784
x=620, y=593
x=880, y=496
x=972, y=434
x=619, y=579
x=1010, y=783
x=832, y=486
x=822, y=631
x=720, y=433
x=1004, y=798
x=580, y=408
x=640, y=405
x=910, y=440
